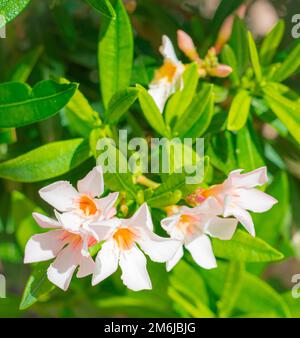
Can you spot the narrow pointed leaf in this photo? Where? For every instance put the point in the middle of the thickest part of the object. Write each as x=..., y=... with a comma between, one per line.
x=104, y=7
x=239, y=110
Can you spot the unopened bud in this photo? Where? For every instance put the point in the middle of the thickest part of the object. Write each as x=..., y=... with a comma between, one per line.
x=172, y=210
x=186, y=44
x=220, y=70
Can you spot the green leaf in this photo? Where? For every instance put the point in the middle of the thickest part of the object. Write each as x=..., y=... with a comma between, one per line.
x=286, y=110
x=255, y=295
x=104, y=7
x=20, y=105
x=179, y=102
x=25, y=66
x=232, y=288
x=248, y=150
x=11, y=9
x=37, y=286
x=271, y=43
x=245, y=248
x=151, y=111
x=120, y=104
x=254, y=57
x=228, y=57
x=115, y=53
x=116, y=172
x=165, y=199
x=290, y=65
x=78, y=109
x=45, y=162
x=239, y=44
x=239, y=110
x=197, y=117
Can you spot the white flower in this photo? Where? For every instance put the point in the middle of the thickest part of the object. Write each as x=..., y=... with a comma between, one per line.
x=237, y=194
x=82, y=205
x=69, y=248
x=120, y=248
x=191, y=226
x=168, y=78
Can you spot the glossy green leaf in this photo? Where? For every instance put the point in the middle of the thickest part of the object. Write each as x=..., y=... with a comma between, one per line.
x=245, y=248
x=45, y=162
x=104, y=7
x=229, y=58
x=239, y=110
x=248, y=150
x=179, y=102
x=119, y=104
x=115, y=53
x=11, y=9
x=254, y=58
x=289, y=66
x=20, y=105
x=37, y=286
x=271, y=43
x=198, y=115
x=286, y=110
x=239, y=44
x=151, y=111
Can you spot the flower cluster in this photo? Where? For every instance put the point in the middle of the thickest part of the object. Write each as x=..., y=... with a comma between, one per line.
x=83, y=218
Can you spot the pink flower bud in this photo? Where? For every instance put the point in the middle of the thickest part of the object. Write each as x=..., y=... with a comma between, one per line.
x=186, y=44
x=220, y=71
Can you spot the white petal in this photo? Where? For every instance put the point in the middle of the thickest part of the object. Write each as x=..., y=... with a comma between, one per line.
x=92, y=184
x=243, y=216
x=86, y=267
x=159, y=249
x=45, y=222
x=167, y=49
x=252, y=179
x=202, y=253
x=69, y=221
x=102, y=230
x=222, y=228
x=106, y=204
x=60, y=272
x=61, y=195
x=175, y=259
x=169, y=223
x=134, y=272
x=43, y=247
x=106, y=262
x=141, y=219
x=160, y=92
x=210, y=206
x=255, y=200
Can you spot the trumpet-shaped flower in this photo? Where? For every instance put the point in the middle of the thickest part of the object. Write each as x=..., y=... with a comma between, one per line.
x=168, y=78
x=82, y=205
x=124, y=240
x=193, y=226
x=237, y=194
x=69, y=248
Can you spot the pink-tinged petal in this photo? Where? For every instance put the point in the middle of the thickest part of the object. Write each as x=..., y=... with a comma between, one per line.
x=69, y=221
x=160, y=92
x=175, y=259
x=86, y=267
x=222, y=228
x=141, y=219
x=61, y=195
x=43, y=247
x=169, y=223
x=45, y=222
x=252, y=179
x=102, y=230
x=167, y=49
x=61, y=271
x=210, y=206
x=134, y=272
x=92, y=184
x=106, y=205
x=254, y=200
x=243, y=216
x=106, y=262
x=159, y=249
x=202, y=253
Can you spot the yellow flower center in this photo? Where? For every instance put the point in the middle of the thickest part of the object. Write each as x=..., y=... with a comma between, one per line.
x=87, y=205
x=167, y=70
x=125, y=238
x=187, y=224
